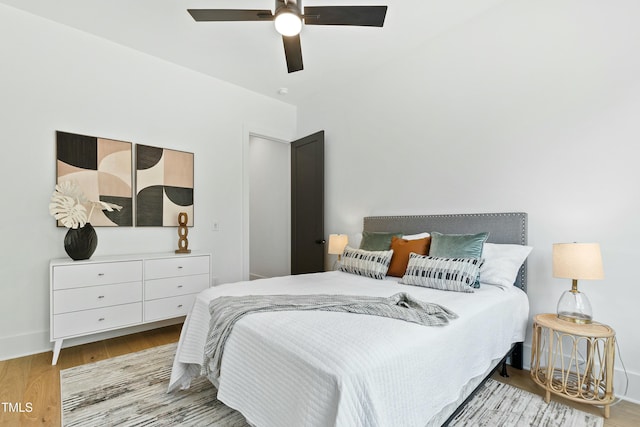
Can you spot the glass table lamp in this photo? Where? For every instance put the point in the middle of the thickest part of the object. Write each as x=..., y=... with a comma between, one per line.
x=576, y=261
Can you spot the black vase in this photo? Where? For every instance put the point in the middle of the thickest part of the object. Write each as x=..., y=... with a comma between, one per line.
x=81, y=243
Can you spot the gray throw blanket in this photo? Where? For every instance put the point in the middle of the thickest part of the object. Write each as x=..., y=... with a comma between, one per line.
x=227, y=310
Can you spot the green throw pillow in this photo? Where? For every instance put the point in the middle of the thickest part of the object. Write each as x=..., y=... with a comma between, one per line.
x=377, y=241
x=457, y=245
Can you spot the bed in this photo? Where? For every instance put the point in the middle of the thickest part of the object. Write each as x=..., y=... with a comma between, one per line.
x=319, y=368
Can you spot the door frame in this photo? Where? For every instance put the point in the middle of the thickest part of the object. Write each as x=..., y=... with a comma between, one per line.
x=249, y=130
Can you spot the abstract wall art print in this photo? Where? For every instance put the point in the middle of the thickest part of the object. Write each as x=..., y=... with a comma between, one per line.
x=164, y=186
x=102, y=168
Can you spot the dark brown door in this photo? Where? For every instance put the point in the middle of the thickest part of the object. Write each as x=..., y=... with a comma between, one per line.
x=307, y=204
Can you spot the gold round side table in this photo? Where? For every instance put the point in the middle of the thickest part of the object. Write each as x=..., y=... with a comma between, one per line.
x=573, y=360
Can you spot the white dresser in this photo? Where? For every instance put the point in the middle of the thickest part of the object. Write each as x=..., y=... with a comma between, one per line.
x=107, y=293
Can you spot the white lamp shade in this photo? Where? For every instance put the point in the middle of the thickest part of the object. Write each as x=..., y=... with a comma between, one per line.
x=580, y=261
x=337, y=243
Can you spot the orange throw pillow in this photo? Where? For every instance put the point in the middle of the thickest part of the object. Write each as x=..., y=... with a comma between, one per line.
x=401, y=250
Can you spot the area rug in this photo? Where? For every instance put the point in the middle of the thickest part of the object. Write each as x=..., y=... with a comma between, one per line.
x=499, y=404
x=131, y=390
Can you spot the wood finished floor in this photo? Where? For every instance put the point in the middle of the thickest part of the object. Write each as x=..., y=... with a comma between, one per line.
x=33, y=379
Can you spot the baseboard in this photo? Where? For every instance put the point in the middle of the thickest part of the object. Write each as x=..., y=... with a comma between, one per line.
x=24, y=345
x=38, y=342
x=619, y=379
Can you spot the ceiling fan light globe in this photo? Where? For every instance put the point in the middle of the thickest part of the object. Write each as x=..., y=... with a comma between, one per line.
x=288, y=23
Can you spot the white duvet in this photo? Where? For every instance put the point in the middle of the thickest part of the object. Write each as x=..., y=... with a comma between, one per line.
x=340, y=369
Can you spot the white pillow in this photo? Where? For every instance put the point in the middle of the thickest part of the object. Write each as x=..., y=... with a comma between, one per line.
x=502, y=263
x=415, y=236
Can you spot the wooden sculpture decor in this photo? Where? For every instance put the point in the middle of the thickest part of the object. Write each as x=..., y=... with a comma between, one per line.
x=183, y=243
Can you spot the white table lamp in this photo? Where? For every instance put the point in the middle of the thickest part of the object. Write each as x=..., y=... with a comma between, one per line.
x=337, y=243
x=576, y=261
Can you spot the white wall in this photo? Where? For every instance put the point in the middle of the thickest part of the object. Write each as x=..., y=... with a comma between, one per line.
x=270, y=211
x=56, y=78
x=532, y=106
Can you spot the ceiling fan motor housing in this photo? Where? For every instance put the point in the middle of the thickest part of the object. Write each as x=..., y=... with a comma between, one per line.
x=288, y=18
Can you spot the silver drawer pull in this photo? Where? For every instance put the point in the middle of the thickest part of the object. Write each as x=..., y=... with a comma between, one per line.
x=180, y=306
x=179, y=267
x=100, y=296
x=179, y=286
x=100, y=274
x=101, y=319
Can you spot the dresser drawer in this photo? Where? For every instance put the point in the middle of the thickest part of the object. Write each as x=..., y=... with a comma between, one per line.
x=179, y=266
x=90, y=297
x=174, y=286
x=99, y=319
x=166, y=308
x=73, y=276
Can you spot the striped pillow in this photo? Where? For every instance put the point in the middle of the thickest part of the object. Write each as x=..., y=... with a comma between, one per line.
x=372, y=264
x=447, y=274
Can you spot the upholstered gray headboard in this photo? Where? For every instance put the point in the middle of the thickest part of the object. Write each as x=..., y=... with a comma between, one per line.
x=507, y=227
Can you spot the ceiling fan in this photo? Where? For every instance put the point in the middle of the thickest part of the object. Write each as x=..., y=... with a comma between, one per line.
x=288, y=19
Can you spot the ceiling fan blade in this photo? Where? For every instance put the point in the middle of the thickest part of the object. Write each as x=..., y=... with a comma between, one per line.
x=231, y=14
x=293, y=52
x=365, y=16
